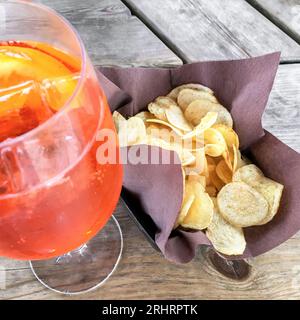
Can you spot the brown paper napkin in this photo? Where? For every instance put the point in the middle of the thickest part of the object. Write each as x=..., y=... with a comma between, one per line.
x=243, y=86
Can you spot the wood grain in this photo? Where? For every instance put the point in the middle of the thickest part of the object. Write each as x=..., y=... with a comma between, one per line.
x=208, y=30
x=282, y=115
x=112, y=35
x=285, y=13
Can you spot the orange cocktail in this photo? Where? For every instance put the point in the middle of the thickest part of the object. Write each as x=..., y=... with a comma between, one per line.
x=54, y=196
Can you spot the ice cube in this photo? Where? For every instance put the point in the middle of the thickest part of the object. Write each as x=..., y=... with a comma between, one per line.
x=58, y=90
x=22, y=108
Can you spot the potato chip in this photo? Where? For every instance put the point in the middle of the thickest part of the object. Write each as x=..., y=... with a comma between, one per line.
x=165, y=102
x=167, y=124
x=206, y=122
x=193, y=144
x=198, y=178
x=211, y=190
x=211, y=167
x=208, y=181
x=176, y=118
x=248, y=173
x=185, y=156
x=154, y=141
x=213, y=136
x=174, y=93
x=154, y=126
x=144, y=115
x=199, y=108
x=118, y=119
x=161, y=132
x=187, y=96
x=199, y=163
x=234, y=158
x=202, y=181
x=214, y=150
x=158, y=111
x=241, y=205
x=201, y=212
x=186, y=205
x=153, y=129
x=193, y=184
x=211, y=161
x=131, y=131
x=205, y=169
x=241, y=160
x=271, y=190
x=215, y=180
x=223, y=172
x=188, y=199
x=159, y=107
x=228, y=133
x=225, y=238
x=228, y=158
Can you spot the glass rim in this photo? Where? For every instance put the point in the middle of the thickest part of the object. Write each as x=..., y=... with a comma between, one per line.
x=83, y=56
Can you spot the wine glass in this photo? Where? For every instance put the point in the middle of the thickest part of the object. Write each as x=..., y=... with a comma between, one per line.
x=55, y=194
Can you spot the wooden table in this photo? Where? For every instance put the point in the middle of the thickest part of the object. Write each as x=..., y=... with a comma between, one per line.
x=167, y=33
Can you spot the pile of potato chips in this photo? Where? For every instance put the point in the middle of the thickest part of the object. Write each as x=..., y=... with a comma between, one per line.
x=223, y=192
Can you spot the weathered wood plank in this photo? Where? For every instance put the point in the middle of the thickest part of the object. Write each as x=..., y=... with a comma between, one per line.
x=285, y=13
x=112, y=35
x=208, y=30
x=282, y=115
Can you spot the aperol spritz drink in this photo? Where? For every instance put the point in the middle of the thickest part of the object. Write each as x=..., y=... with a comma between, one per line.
x=53, y=194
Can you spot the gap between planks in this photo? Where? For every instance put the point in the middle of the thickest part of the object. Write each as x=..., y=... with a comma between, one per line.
x=292, y=34
x=168, y=43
